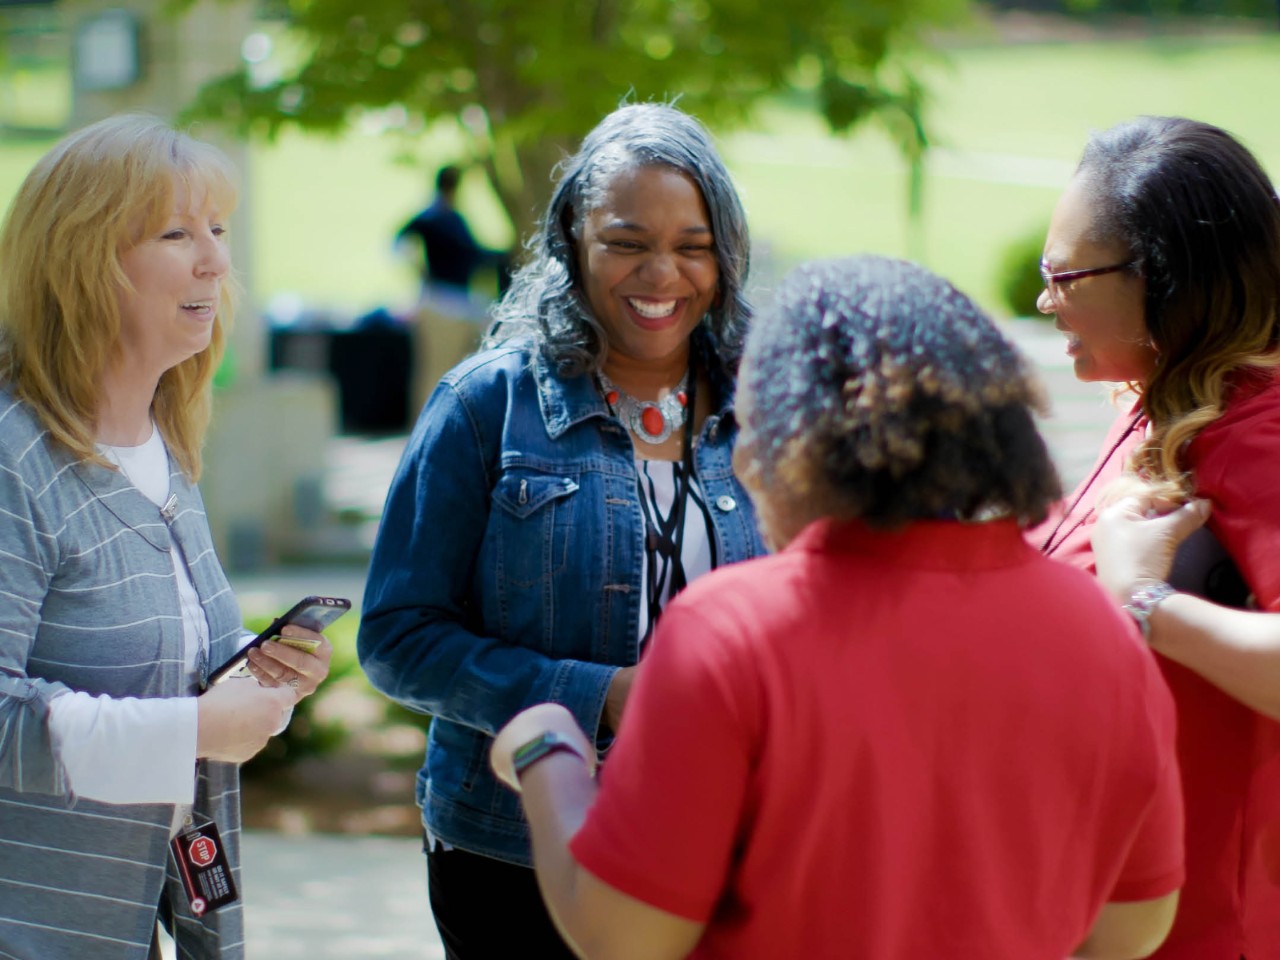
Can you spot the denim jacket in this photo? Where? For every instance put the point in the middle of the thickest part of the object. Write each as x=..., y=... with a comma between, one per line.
x=507, y=569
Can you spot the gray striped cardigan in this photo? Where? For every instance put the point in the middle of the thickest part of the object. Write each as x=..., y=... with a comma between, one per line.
x=88, y=601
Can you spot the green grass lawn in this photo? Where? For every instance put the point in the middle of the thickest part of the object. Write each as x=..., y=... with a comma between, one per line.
x=1008, y=121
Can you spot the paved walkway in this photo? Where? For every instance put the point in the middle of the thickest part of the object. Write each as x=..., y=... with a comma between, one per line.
x=346, y=898
x=324, y=897
x=337, y=898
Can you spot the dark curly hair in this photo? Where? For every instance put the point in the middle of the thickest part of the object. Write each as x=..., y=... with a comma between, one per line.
x=879, y=391
x=1201, y=222
x=545, y=302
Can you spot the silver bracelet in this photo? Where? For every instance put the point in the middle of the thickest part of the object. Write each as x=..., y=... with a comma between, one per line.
x=1142, y=602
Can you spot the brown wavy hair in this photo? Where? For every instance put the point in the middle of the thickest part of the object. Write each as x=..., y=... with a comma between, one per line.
x=1201, y=221
x=87, y=201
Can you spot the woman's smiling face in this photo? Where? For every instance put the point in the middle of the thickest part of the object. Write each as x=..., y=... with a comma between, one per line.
x=175, y=285
x=1102, y=316
x=648, y=262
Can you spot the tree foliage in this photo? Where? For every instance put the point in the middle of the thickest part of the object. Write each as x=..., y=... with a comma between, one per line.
x=1253, y=9
x=527, y=78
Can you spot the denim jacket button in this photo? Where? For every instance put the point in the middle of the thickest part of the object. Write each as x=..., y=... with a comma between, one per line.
x=726, y=502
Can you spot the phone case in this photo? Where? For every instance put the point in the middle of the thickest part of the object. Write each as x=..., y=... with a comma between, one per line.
x=314, y=613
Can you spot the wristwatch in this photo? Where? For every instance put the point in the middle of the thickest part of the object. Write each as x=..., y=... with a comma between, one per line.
x=541, y=747
x=1143, y=601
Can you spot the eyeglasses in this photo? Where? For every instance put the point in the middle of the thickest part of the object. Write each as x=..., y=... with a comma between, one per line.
x=1053, y=280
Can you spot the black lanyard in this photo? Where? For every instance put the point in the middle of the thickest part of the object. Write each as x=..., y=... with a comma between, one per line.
x=667, y=540
x=1053, y=542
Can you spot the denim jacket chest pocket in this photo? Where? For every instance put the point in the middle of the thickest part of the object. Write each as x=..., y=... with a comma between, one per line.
x=532, y=524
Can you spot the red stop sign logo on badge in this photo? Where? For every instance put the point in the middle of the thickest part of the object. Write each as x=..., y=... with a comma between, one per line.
x=202, y=851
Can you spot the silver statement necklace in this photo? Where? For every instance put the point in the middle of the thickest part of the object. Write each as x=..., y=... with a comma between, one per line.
x=650, y=421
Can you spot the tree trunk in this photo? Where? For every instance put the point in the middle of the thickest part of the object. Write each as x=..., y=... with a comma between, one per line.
x=523, y=181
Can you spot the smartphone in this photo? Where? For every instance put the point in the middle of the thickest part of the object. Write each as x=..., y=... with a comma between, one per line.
x=314, y=613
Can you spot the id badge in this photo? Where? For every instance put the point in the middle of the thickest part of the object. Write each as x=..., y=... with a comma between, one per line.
x=202, y=865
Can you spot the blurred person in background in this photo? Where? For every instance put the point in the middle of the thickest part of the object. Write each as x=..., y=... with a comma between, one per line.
x=904, y=736
x=559, y=489
x=450, y=254
x=114, y=299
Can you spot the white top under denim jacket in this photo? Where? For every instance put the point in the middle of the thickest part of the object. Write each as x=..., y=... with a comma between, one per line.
x=91, y=604
x=508, y=569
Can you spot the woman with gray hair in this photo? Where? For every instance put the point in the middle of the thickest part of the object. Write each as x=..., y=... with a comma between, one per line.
x=906, y=734
x=560, y=488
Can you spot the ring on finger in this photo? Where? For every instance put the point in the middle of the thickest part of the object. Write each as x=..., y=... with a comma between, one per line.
x=294, y=682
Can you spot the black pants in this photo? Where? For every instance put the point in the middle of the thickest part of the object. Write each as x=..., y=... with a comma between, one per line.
x=486, y=909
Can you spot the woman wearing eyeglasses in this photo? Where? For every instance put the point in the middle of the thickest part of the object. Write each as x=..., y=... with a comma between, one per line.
x=1162, y=267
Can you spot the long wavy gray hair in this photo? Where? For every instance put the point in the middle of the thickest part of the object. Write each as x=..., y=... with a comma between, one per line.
x=545, y=300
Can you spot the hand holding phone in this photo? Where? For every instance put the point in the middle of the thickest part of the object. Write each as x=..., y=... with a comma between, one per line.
x=313, y=613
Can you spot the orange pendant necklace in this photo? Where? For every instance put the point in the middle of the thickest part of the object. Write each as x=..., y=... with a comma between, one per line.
x=650, y=421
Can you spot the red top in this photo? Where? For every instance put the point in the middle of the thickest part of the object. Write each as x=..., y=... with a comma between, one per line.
x=1065, y=533
x=1229, y=754
x=917, y=744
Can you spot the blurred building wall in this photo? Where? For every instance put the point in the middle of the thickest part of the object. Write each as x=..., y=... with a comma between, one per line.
x=265, y=452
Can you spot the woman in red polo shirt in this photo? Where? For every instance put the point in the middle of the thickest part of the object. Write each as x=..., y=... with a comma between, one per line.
x=905, y=735
x=1162, y=267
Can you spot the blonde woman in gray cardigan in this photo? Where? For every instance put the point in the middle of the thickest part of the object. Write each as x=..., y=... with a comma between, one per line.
x=114, y=296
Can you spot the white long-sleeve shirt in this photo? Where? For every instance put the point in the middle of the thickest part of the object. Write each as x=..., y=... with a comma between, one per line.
x=130, y=750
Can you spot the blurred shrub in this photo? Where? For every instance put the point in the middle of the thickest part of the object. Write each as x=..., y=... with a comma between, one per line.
x=394, y=714
x=1019, y=274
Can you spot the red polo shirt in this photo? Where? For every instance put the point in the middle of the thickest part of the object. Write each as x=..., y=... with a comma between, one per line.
x=919, y=744
x=1229, y=754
